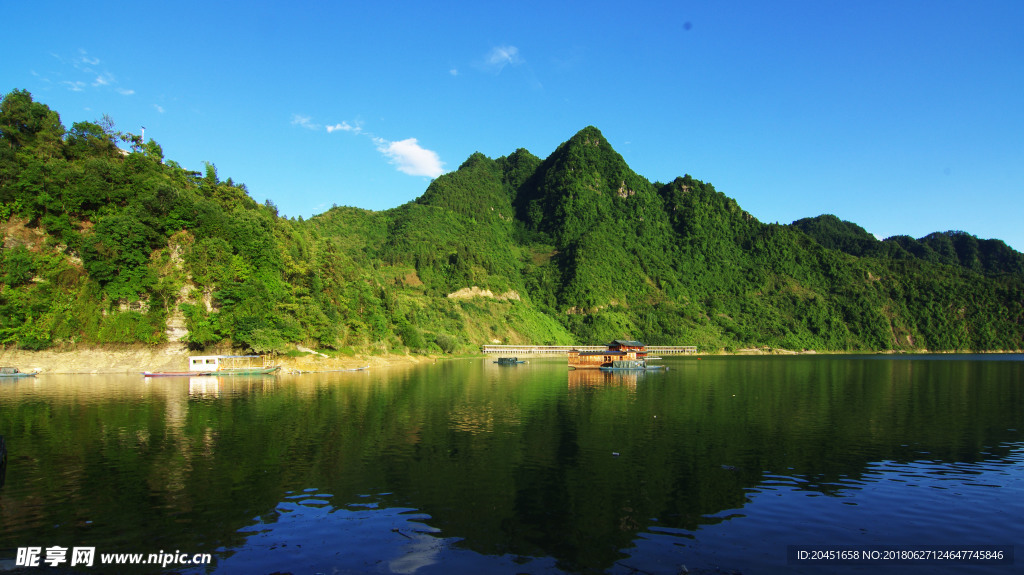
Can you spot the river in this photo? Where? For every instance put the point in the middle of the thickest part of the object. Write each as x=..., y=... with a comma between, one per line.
x=715, y=465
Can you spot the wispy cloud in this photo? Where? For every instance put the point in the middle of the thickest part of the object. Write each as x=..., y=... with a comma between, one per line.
x=103, y=79
x=345, y=127
x=501, y=56
x=89, y=73
x=158, y=108
x=411, y=158
x=304, y=121
x=85, y=59
x=507, y=56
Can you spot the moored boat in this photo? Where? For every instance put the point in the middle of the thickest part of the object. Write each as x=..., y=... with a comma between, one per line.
x=15, y=372
x=301, y=372
x=631, y=365
x=618, y=351
x=246, y=371
x=221, y=365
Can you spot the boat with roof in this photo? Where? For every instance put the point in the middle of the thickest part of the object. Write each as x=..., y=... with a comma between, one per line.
x=222, y=365
x=621, y=354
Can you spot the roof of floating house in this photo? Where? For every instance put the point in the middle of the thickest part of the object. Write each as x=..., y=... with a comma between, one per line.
x=625, y=343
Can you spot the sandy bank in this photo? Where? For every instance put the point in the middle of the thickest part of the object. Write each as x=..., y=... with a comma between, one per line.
x=169, y=357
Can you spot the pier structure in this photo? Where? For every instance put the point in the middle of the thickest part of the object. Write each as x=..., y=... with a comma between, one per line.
x=545, y=350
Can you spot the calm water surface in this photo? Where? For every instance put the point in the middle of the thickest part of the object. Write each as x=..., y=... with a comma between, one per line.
x=718, y=464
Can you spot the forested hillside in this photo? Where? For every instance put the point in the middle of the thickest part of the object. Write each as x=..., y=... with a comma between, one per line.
x=105, y=241
x=954, y=248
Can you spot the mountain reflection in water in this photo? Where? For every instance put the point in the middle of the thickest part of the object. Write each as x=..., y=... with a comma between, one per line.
x=467, y=466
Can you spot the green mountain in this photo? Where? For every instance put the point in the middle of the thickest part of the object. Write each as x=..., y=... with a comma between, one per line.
x=104, y=246
x=954, y=248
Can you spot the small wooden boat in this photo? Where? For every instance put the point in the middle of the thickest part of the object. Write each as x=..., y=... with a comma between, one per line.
x=301, y=372
x=509, y=361
x=15, y=372
x=631, y=365
x=239, y=371
x=637, y=368
x=246, y=371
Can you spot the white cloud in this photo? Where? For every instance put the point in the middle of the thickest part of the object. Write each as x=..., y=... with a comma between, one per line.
x=345, y=127
x=407, y=155
x=454, y=71
x=501, y=56
x=84, y=58
x=305, y=122
x=410, y=158
x=159, y=108
x=86, y=66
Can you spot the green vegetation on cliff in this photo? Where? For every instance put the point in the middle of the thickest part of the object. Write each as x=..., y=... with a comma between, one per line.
x=953, y=248
x=103, y=245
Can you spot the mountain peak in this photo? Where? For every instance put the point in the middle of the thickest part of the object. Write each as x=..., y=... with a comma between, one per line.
x=590, y=136
x=588, y=146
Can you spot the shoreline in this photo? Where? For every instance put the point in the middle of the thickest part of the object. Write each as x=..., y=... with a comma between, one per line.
x=174, y=357
x=170, y=357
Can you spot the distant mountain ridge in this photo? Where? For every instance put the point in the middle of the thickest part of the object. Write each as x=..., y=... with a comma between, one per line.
x=102, y=247
x=989, y=257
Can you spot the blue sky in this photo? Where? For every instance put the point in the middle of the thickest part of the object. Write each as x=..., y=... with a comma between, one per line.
x=905, y=117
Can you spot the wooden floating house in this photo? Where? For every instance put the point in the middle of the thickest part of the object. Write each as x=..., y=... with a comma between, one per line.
x=231, y=365
x=619, y=351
